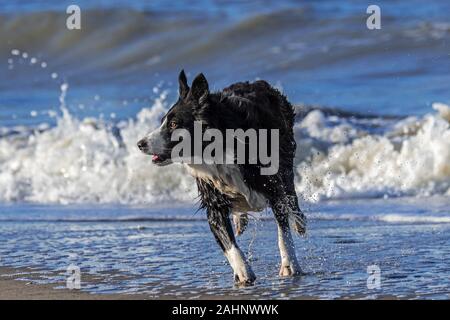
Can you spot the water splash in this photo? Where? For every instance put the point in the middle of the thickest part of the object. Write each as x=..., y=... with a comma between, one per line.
x=95, y=161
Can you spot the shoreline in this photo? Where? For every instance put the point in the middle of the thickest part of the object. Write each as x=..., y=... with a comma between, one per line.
x=14, y=287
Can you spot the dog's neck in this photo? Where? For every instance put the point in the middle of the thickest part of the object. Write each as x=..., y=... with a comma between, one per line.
x=227, y=178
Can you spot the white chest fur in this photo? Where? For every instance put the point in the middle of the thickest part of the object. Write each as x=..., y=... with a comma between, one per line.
x=228, y=179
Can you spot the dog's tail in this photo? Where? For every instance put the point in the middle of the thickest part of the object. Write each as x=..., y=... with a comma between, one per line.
x=296, y=218
x=297, y=221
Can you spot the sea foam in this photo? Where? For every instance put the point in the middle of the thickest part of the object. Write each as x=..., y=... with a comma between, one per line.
x=411, y=157
x=89, y=161
x=95, y=161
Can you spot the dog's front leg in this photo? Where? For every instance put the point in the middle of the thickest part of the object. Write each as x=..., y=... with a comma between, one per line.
x=218, y=209
x=220, y=225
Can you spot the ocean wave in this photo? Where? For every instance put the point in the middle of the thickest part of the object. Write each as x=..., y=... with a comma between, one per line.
x=389, y=218
x=410, y=158
x=88, y=161
x=116, y=39
x=384, y=217
x=339, y=156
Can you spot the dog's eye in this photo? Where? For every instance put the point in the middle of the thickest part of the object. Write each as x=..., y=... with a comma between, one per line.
x=173, y=125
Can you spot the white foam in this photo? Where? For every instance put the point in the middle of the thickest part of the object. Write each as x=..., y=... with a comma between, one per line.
x=413, y=218
x=83, y=161
x=403, y=161
x=79, y=161
x=384, y=217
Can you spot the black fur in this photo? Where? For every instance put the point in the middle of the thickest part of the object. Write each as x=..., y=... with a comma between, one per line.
x=242, y=105
x=218, y=208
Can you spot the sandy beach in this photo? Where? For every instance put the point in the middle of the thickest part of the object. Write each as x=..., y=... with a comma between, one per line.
x=13, y=287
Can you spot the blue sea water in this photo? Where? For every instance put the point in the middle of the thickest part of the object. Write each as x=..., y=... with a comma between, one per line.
x=319, y=52
x=373, y=136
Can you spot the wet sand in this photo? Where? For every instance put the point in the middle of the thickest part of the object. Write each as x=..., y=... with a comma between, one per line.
x=13, y=287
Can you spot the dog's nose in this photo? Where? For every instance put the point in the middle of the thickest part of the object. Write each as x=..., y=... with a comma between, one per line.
x=142, y=144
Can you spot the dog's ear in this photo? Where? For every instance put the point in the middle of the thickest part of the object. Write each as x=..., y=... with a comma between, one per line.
x=184, y=87
x=200, y=89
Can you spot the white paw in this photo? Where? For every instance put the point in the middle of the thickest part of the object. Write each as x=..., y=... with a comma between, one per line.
x=289, y=269
x=243, y=273
x=244, y=277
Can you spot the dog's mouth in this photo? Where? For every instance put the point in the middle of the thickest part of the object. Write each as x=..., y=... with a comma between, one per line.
x=156, y=158
x=160, y=159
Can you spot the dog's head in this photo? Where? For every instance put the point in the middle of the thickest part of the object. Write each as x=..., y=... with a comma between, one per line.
x=180, y=116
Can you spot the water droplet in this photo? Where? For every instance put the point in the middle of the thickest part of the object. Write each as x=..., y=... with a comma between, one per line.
x=64, y=86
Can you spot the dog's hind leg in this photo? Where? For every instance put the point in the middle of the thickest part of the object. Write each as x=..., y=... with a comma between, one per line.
x=240, y=221
x=289, y=264
x=218, y=209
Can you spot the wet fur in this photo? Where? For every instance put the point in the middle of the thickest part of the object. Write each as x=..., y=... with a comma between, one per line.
x=238, y=188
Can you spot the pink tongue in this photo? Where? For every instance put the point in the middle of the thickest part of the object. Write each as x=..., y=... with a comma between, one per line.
x=155, y=157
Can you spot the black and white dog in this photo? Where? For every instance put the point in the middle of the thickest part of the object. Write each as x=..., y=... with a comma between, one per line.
x=237, y=188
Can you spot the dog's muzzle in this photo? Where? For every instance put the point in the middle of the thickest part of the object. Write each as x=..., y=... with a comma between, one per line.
x=143, y=145
x=158, y=159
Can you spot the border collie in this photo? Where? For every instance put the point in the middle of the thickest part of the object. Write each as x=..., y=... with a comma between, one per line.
x=237, y=188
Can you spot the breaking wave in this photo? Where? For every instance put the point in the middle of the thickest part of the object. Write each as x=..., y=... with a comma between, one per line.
x=129, y=39
x=340, y=158
x=339, y=155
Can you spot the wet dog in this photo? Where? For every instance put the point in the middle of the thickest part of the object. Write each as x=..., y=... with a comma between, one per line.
x=239, y=187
